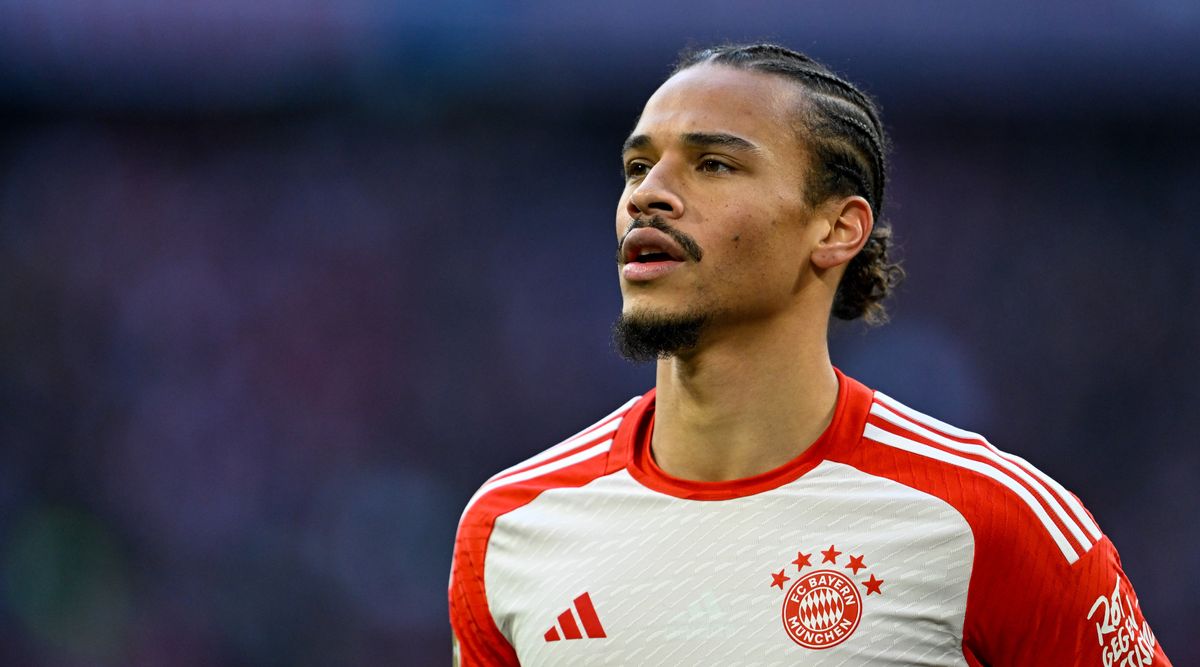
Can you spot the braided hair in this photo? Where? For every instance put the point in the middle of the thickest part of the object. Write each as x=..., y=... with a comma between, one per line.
x=848, y=146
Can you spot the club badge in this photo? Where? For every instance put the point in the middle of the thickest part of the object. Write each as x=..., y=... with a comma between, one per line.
x=823, y=604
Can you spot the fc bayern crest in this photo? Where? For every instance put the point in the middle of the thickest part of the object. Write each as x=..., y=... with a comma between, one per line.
x=822, y=608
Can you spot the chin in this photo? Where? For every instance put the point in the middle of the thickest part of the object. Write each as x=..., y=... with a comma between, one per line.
x=643, y=335
x=640, y=311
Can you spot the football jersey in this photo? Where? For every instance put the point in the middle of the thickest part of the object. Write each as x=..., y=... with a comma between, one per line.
x=894, y=539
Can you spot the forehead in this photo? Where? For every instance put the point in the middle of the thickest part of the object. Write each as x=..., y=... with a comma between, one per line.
x=756, y=106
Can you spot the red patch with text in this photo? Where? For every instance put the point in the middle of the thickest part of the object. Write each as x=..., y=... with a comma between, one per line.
x=823, y=606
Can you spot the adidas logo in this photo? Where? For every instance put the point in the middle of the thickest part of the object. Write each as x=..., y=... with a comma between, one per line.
x=570, y=629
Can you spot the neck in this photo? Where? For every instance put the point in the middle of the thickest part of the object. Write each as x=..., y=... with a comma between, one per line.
x=744, y=402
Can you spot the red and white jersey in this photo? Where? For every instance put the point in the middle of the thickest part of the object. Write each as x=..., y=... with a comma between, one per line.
x=895, y=539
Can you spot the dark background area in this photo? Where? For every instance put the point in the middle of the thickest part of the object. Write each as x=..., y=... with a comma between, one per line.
x=283, y=283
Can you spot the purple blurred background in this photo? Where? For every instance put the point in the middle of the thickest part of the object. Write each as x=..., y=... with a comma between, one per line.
x=284, y=282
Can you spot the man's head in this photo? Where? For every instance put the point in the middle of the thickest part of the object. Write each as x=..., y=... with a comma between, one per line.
x=754, y=180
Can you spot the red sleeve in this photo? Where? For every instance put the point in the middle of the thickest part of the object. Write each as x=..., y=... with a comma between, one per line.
x=572, y=463
x=1028, y=606
x=480, y=643
x=1046, y=585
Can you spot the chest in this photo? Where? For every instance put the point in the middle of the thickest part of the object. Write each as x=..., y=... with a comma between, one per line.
x=836, y=568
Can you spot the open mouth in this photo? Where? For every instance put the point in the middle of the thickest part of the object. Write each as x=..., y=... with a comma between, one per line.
x=653, y=256
x=646, y=246
x=648, y=254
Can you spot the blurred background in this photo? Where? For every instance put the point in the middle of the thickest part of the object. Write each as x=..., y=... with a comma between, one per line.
x=283, y=282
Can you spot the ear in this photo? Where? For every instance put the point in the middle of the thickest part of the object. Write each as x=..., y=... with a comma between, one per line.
x=850, y=227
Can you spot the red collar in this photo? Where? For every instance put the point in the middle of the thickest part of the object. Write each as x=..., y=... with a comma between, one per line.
x=631, y=449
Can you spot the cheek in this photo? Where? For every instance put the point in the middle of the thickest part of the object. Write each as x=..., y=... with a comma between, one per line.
x=739, y=253
x=758, y=259
x=747, y=235
x=621, y=215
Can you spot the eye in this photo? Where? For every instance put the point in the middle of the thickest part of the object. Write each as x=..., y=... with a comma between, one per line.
x=714, y=166
x=635, y=169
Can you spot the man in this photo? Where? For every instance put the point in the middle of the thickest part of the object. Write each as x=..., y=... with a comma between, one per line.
x=757, y=506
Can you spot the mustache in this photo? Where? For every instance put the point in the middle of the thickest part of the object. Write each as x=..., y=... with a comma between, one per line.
x=687, y=243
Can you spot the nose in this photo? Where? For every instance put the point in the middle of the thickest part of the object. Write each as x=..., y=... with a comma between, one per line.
x=655, y=195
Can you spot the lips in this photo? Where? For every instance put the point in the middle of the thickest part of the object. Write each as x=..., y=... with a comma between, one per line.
x=648, y=245
x=648, y=253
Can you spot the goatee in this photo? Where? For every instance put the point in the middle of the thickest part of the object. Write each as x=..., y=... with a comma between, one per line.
x=642, y=337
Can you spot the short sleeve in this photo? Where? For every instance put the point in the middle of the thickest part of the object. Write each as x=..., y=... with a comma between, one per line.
x=1030, y=606
x=479, y=642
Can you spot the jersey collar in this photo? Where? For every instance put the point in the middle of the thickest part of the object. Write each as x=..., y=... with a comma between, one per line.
x=631, y=449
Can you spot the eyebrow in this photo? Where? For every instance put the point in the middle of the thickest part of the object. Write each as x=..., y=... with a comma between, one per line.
x=696, y=140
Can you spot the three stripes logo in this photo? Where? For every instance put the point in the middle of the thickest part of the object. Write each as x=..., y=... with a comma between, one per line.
x=570, y=628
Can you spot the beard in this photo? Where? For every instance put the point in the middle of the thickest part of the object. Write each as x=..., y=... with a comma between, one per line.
x=642, y=337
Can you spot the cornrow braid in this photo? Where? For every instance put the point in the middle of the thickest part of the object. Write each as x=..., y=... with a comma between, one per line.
x=848, y=145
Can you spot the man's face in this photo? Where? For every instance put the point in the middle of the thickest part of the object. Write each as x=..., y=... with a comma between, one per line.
x=716, y=169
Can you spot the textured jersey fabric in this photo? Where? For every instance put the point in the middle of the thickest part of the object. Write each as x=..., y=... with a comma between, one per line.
x=894, y=539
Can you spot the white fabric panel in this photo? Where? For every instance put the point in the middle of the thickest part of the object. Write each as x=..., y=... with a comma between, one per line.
x=686, y=582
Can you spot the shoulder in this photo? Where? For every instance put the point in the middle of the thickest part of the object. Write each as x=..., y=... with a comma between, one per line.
x=571, y=462
x=1043, y=575
x=1007, y=500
